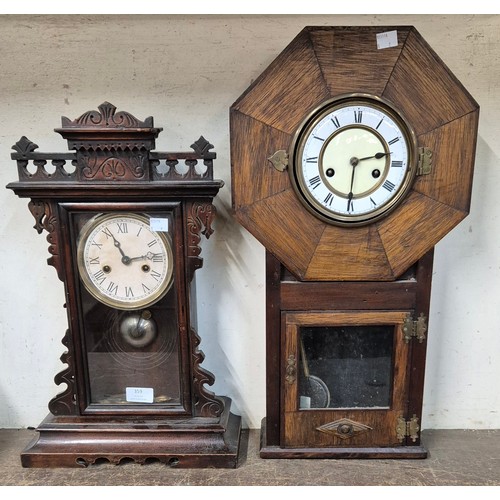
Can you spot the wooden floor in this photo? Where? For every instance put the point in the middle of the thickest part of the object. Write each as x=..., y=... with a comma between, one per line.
x=458, y=458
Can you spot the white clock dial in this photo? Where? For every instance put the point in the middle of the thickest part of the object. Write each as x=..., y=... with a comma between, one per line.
x=123, y=262
x=354, y=161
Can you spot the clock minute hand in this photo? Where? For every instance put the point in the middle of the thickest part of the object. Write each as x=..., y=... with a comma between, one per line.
x=377, y=156
x=353, y=161
x=149, y=255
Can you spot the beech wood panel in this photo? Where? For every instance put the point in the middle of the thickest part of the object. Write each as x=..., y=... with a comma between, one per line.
x=419, y=224
x=273, y=350
x=296, y=296
x=424, y=89
x=418, y=350
x=288, y=229
x=452, y=162
x=290, y=86
x=349, y=254
x=254, y=143
x=350, y=60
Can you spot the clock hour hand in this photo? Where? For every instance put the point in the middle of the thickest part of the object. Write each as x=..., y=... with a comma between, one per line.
x=126, y=260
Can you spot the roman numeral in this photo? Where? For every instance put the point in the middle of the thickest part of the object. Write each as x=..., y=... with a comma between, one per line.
x=389, y=185
x=396, y=139
x=139, y=232
x=335, y=121
x=358, y=116
x=100, y=277
x=112, y=288
x=315, y=182
x=396, y=163
x=152, y=243
x=94, y=260
x=313, y=159
x=128, y=292
x=328, y=200
x=107, y=232
x=98, y=245
x=157, y=257
x=379, y=123
x=122, y=227
x=319, y=138
x=373, y=202
x=145, y=288
x=155, y=275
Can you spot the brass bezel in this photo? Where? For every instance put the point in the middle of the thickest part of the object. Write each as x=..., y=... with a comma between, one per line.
x=94, y=291
x=312, y=119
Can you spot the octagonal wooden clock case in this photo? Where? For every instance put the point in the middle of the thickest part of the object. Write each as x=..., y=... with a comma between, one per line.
x=352, y=156
x=124, y=225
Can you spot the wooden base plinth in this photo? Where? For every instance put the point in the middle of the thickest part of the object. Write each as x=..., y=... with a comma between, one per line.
x=182, y=443
x=341, y=452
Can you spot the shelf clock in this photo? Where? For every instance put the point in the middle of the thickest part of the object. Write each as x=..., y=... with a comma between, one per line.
x=124, y=224
x=352, y=155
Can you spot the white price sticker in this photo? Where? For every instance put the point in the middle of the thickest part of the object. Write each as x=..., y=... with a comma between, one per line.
x=158, y=224
x=387, y=39
x=139, y=394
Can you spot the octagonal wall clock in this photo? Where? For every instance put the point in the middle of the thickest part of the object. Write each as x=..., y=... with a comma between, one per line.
x=352, y=156
x=124, y=225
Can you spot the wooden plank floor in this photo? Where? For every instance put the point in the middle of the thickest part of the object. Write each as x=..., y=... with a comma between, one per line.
x=457, y=458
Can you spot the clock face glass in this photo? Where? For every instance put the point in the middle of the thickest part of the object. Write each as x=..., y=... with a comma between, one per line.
x=123, y=262
x=353, y=161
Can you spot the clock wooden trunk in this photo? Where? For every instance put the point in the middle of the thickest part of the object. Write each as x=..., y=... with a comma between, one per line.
x=352, y=155
x=124, y=225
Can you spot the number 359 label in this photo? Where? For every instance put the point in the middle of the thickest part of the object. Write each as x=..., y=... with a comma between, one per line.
x=139, y=394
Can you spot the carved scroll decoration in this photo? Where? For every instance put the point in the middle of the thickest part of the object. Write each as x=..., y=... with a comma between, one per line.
x=199, y=220
x=112, y=168
x=107, y=117
x=45, y=218
x=65, y=402
x=207, y=404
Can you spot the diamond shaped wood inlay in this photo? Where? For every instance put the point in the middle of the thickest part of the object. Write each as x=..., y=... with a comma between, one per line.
x=344, y=428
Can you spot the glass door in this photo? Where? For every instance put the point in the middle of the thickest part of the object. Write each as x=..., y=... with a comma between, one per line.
x=346, y=377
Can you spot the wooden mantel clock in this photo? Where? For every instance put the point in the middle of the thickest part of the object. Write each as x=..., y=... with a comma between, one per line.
x=124, y=225
x=352, y=156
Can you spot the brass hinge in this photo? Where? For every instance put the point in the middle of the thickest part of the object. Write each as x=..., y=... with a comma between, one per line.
x=407, y=428
x=424, y=165
x=414, y=328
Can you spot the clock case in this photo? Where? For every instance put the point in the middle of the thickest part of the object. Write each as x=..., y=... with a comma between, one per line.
x=114, y=170
x=370, y=283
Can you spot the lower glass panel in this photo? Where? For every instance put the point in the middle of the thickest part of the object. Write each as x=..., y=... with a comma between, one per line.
x=346, y=367
x=133, y=356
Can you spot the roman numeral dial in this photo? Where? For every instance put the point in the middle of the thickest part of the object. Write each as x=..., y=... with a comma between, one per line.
x=363, y=166
x=123, y=262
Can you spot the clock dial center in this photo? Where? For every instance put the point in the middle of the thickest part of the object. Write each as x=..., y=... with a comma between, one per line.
x=353, y=149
